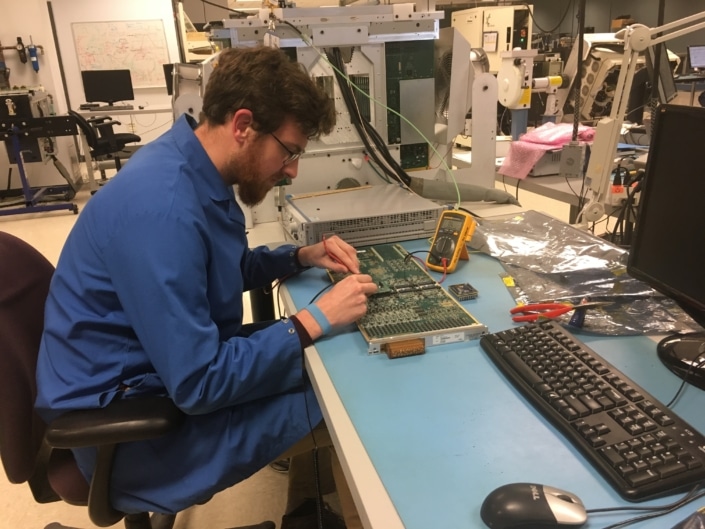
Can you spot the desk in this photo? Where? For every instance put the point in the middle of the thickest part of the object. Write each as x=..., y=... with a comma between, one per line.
x=692, y=80
x=554, y=187
x=562, y=189
x=106, y=111
x=424, y=439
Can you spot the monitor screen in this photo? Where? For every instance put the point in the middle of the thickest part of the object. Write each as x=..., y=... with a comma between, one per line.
x=668, y=250
x=667, y=90
x=696, y=57
x=107, y=86
x=169, y=77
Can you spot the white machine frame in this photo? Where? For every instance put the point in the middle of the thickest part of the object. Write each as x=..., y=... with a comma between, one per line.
x=637, y=38
x=363, y=31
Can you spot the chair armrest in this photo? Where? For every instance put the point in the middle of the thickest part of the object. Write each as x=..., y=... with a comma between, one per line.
x=121, y=421
x=98, y=119
x=106, y=130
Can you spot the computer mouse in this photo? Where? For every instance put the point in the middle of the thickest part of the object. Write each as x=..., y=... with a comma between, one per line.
x=532, y=506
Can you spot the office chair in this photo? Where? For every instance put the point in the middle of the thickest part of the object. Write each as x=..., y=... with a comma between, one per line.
x=38, y=454
x=104, y=142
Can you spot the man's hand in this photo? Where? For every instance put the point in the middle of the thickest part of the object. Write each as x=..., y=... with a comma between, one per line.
x=332, y=253
x=345, y=303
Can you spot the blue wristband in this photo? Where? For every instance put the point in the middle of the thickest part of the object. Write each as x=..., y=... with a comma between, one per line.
x=320, y=318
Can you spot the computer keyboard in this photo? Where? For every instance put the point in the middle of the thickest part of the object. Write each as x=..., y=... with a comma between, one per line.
x=641, y=447
x=116, y=107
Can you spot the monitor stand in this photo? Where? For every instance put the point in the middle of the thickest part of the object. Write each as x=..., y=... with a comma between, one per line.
x=684, y=355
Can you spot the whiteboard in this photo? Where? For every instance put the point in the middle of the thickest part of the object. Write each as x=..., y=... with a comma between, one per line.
x=136, y=45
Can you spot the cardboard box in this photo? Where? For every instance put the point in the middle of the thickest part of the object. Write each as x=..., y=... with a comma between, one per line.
x=619, y=23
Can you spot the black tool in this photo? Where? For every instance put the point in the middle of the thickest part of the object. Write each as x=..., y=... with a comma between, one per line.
x=21, y=50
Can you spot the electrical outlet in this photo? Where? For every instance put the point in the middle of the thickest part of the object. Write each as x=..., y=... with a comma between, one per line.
x=572, y=160
x=617, y=194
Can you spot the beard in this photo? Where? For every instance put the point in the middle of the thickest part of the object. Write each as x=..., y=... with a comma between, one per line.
x=252, y=187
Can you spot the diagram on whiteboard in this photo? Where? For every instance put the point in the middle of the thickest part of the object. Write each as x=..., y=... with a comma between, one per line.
x=137, y=45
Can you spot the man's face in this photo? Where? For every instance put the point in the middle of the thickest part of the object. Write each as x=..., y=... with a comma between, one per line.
x=265, y=161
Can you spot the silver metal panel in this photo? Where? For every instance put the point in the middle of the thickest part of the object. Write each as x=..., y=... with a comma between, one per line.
x=338, y=35
x=368, y=215
x=412, y=94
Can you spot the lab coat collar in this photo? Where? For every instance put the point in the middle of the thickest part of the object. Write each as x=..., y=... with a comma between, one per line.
x=193, y=151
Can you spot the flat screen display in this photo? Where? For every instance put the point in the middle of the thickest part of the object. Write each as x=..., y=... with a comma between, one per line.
x=668, y=250
x=667, y=90
x=696, y=57
x=107, y=86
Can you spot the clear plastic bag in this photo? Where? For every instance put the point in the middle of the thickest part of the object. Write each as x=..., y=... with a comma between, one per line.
x=550, y=260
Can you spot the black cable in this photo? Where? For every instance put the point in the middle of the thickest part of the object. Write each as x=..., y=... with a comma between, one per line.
x=575, y=193
x=304, y=379
x=582, y=196
x=685, y=376
x=556, y=26
x=243, y=13
x=320, y=292
x=691, y=496
x=409, y=255
x=364, y=129
x=314, y=452
x=577, y=83
x=677, y=503
x=399, y=173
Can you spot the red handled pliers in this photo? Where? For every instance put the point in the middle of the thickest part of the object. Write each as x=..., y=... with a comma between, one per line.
x=549, y=311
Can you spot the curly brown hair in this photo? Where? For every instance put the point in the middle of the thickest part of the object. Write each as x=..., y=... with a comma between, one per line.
x=270, y=85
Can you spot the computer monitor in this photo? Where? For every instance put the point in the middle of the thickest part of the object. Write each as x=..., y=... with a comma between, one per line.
x=696, y=57
x=667, y=90
x=107, y=86
x=668, y=249
x=169, y=77
x=643, y=81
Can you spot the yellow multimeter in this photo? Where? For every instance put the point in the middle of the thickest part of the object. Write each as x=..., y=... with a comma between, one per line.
x=453, y=230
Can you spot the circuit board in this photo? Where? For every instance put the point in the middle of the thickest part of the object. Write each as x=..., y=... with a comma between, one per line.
x=410, y=310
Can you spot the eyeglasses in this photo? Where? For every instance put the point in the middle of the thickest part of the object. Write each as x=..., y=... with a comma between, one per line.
x=293, y=156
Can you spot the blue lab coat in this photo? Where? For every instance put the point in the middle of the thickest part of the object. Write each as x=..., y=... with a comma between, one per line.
x=147, y=300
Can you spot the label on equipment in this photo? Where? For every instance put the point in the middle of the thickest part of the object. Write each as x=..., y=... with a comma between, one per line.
x=448, y=338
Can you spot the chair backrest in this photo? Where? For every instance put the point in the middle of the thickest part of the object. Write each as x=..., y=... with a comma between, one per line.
x=88, y=131
x=24, y=283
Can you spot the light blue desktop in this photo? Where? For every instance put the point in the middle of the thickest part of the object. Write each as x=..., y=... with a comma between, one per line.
x=444, y=429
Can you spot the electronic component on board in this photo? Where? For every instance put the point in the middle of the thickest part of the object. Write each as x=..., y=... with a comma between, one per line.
x=463, y=291
x=410, y=312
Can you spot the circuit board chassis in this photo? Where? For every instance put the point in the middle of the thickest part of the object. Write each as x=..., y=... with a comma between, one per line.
x=410, y=311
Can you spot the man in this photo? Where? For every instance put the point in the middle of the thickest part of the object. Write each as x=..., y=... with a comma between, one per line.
x=147, y=295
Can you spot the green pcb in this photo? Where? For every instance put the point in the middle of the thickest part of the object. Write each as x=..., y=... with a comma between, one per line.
x=409, y=303
x=404, y=61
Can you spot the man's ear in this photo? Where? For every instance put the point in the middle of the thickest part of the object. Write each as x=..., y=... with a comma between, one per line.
x=241, y=124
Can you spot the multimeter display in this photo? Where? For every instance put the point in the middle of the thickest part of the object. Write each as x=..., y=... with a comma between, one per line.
x=452, y=224
x=454, y=228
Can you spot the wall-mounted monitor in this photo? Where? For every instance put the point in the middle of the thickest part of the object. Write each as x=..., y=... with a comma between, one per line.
x=107, y=86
